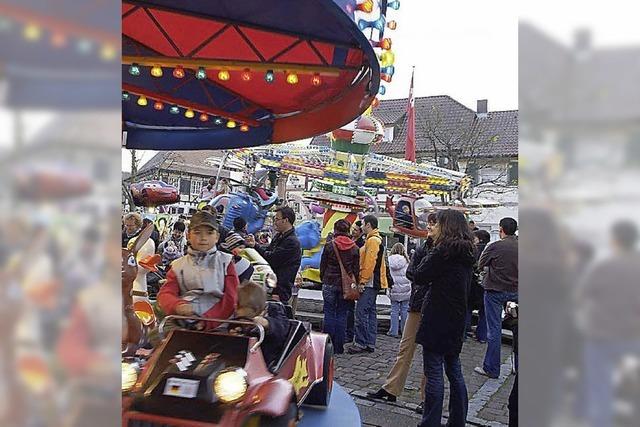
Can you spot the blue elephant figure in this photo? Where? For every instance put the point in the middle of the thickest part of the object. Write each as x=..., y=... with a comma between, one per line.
x=240, y=205
x=308, y=233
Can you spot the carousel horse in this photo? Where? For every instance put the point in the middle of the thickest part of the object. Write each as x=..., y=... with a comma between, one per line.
x=138, y=317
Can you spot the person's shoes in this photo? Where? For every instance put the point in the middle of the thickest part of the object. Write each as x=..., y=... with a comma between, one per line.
x=420, y=408
x=480, y=370
x=392, y=336
x=382, y=394
x=481, y=341
x=356, y=349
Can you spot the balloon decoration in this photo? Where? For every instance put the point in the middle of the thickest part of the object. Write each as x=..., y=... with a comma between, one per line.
x=372, y=18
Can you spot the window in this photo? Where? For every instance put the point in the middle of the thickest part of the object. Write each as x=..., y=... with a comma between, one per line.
x=512, y=173
x=174, y=181
x=196, y=186
x=185, y=186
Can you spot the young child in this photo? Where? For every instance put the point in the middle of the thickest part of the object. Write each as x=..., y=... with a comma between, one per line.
x=204, y=282
x=252, y=304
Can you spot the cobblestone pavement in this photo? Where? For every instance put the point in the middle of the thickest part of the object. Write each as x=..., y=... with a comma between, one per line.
x=360, y=373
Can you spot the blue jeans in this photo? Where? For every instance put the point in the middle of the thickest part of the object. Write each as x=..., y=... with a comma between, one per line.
x=600, y=357
x=366, y=319
x=351, y=321
x=434, y=390
x=493, y=302
x=399, y=310
x=481, y=329
x=335, y=316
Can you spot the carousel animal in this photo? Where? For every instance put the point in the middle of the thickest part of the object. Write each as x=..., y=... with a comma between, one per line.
x=136, y=318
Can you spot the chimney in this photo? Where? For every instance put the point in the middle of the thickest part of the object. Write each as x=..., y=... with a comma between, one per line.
x=482, y=109
x=582, y=43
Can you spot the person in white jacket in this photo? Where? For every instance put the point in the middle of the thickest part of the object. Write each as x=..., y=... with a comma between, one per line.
x=400, y=293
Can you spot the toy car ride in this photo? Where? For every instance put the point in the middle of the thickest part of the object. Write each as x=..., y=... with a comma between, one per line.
x=221, y=378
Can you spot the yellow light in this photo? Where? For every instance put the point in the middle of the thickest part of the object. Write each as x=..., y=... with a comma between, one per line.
x=156, y=71
x=107, y=52
x=231, y=124
x=387, y=58
x=292, y=78
x=129, y=376
x=244, y=128
x=224, y=75
x=142, y=101
x=32, y=32
x=189, y=114
x=231, y=385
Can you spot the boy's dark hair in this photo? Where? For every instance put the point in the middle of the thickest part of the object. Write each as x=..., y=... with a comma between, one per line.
x=483, y=236
x=371, y=220
x=509, y=226
x=342, y=226
x=252, y=295
x=625, y=234
x=239, y=223
x=179, y=226
x=287, y=213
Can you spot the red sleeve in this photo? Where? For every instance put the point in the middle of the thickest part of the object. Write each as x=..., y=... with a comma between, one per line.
x=169, y=294
x=225, y=308
x=73, y=349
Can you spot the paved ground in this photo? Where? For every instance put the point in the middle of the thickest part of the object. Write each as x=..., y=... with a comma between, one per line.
x=360, y=373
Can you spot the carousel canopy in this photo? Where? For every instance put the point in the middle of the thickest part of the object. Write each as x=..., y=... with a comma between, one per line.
x=239, y=73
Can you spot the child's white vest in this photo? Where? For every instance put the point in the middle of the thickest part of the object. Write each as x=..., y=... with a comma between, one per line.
x=201, y=278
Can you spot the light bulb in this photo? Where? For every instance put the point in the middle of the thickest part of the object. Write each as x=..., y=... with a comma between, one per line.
x=189, y=114
x=204, y=117
x=142, y=101
x=158, y=105
x=32, y=32
x=218, y=121
x=178, y=72
x=156, y=71
x=201, y=74
x=134, y=69
x=316, y=80
x=126, y=96
x=244, y=128
x=231, y=124
x=224, y=75
x=292, y=78
x=246, y=75
x=174, y=109
x=269, y=76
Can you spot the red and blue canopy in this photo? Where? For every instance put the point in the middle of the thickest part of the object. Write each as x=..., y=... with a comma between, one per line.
x=239, y=73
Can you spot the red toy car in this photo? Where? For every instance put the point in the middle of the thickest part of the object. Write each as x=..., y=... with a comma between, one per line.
x=198, y=378
x=154, y=193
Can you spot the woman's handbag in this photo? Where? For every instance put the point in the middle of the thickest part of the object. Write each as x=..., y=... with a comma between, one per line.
x=350, y=291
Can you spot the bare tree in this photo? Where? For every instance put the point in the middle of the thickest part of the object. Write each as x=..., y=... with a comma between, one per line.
x=461, y=139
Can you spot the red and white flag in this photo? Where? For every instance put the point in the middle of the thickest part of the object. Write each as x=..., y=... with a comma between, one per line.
x=410, y=152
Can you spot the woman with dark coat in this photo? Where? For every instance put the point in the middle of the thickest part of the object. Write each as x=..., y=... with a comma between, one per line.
x=442, y=327
x=335, y=306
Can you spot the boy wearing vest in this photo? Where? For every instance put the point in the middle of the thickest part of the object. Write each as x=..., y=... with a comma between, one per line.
x=204, y=282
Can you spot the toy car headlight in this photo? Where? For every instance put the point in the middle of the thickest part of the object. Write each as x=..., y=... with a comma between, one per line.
x=231, y=385
x=271, y=280
x=129, y=376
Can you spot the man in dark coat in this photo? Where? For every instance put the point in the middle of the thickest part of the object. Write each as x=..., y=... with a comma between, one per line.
x=283, y=253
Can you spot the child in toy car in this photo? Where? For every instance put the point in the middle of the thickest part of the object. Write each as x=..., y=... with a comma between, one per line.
x=204, y=282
